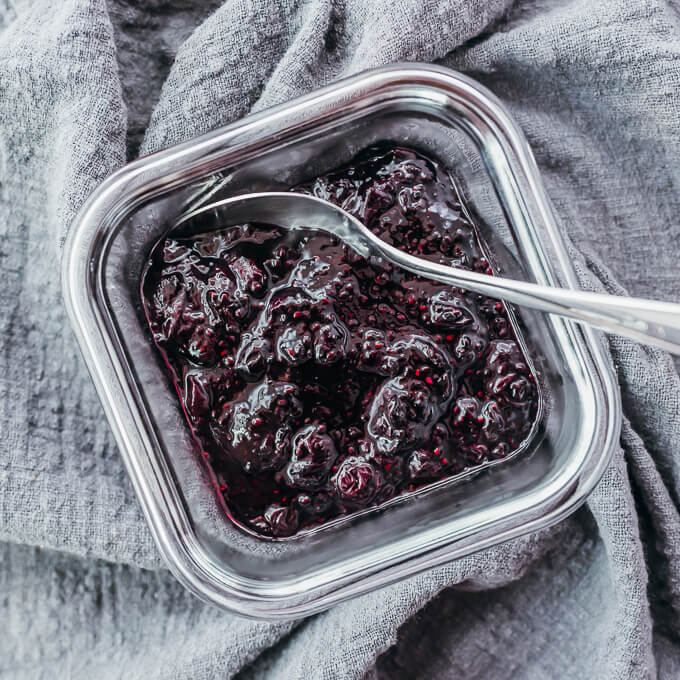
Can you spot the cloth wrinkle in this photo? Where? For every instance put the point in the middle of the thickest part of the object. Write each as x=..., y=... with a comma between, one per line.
x=86, y=85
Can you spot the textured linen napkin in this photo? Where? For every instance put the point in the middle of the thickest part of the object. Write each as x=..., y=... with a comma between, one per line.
x=85, y=84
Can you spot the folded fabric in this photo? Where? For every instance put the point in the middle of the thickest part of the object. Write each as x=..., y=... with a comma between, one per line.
x=83, y=592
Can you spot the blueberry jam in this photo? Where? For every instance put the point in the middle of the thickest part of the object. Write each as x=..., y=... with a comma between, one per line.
x=319, y=383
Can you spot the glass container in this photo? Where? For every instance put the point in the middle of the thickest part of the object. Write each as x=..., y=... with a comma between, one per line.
x=450, y=118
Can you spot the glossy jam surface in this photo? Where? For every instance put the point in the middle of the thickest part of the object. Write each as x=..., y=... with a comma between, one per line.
x=319, y=383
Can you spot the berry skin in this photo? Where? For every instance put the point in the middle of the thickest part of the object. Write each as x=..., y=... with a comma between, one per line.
x=402, y=415
x=294, y=345
x=257, y=431
x=427, y=362
x=249, y=277
x=197, y=396
x=448, y=311
x=423, y=464
x=357, y=481
x=475, y=454
x=313, y=454
x=330, y=343
x=169, y=301
x=253, y=357
x=493, y=422
x=283, y=520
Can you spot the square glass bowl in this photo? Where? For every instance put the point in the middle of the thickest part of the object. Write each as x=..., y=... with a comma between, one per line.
x=450, y=118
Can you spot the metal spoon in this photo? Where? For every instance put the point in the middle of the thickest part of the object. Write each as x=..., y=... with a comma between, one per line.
x=648, y=321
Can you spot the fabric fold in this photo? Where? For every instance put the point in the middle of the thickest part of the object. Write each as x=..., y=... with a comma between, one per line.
x=595, y=89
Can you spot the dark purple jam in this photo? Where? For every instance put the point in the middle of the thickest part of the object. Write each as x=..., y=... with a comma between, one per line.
x=319, y=383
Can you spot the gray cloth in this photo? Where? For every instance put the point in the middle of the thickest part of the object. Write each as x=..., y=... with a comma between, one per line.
x=83, y=592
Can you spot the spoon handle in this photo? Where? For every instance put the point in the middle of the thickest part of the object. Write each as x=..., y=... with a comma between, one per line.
x=648, y=321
